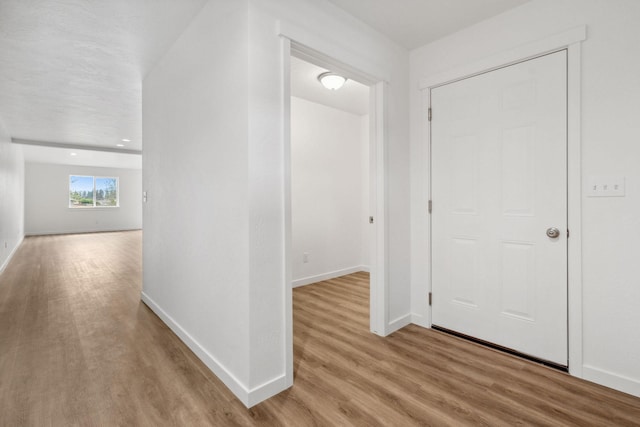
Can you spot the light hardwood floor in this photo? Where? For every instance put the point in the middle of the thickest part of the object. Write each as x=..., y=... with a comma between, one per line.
x=77, y=347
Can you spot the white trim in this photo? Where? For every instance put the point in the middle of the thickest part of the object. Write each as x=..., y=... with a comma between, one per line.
x=426, y=100
x=378, y=294
x=328, y=276
x=519, y=54
x=398, y=323
x=612, y=380
x=285, y=60
x=321, y=47
x=11, y=254
x=235, y=385
x=570, y=40
x=574, y=205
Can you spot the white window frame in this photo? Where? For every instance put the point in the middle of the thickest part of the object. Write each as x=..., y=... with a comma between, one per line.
x=95, y=206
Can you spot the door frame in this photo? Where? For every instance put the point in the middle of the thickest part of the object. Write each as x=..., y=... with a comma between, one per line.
x=378, y=244
x=571, y=41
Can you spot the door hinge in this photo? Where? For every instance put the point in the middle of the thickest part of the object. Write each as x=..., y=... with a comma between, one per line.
x=567, y=233
x=430, y=206
x=370, y=220
x=430, y=298
x=430, y=114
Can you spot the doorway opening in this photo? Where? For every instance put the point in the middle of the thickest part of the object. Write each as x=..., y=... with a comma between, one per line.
x=329, y=177
x=329, y=144
x=335, y=184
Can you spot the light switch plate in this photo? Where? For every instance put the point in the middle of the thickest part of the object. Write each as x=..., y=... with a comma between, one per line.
x=605, y=186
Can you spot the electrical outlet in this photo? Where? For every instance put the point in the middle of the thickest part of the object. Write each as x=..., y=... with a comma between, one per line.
x=605, y=186
x=305, y=257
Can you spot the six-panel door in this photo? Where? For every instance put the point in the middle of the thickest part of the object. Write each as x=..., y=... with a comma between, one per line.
x=499, y=182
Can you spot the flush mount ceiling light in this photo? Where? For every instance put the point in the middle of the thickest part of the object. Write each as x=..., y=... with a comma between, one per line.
x=74, y=154
x=119, y=145
x=331, y=80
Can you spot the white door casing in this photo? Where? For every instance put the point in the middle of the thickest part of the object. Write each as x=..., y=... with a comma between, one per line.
x=499, y=181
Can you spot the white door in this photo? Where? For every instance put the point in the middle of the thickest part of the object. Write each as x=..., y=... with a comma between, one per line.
x=499, y=184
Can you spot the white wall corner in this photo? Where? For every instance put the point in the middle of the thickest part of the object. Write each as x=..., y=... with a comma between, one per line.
x=420, y=320
x=265, y=391
x=398, y=323
x=248, y=398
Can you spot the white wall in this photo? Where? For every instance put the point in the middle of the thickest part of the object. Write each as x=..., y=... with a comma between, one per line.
x=47, y=201
x=329, y=193
x=610, y=146
x=214, y=169
x=11, y=197
x=195, y=171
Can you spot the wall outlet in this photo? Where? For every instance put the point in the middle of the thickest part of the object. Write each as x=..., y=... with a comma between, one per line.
x=305, y=257
x=605, y=186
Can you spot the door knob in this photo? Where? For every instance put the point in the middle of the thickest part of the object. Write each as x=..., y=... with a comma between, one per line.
x=553, y=232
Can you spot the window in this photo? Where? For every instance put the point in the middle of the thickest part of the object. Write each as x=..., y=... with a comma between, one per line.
x=91, y=192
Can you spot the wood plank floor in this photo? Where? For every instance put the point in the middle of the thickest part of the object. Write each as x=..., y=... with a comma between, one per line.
x=78, y=348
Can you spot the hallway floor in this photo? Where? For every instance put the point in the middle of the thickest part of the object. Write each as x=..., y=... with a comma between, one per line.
x=77, y=347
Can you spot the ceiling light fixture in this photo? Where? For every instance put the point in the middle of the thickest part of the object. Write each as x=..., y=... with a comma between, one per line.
x=74, y=154
x=119, y=145
x=331, y=80
x=126, y=140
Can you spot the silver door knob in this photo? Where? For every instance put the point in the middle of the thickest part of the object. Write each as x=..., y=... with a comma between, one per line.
x=553, y=232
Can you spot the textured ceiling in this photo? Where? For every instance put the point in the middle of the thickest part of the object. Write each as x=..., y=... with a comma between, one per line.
x=414, y=23
x=353, y=97
x=71, y=70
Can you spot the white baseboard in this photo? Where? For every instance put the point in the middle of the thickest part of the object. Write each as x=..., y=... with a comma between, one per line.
x=589, y=373
x=609, y=379
x=62, y=232
x=420, y=320
x=327, y=276
x=267, y=390
x=11, y=254
x=398, y=323
x=248, y=397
